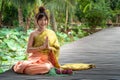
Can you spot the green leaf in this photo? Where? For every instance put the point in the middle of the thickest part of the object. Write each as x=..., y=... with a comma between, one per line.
x=0, y=41
x=20, y=57
x=86, y=7
x=12, y=44
x=6, y=58
x=1, y=71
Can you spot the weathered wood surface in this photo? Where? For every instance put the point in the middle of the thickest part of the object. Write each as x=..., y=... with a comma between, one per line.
x=101, y=49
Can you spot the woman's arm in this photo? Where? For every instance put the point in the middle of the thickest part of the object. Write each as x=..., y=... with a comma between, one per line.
x=30, y=48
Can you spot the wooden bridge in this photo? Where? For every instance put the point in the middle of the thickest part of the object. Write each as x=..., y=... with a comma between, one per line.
x=101, y=48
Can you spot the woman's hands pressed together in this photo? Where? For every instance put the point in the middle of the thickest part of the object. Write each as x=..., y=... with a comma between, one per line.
x=46, y=44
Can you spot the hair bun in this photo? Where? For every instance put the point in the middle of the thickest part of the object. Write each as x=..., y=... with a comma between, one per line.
x=41, y=9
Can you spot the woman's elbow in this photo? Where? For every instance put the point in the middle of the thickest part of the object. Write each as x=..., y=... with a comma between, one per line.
x=28, y=51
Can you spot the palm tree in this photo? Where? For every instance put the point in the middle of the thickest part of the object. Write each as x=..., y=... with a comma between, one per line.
x=70, y=7
x=64, y=6
x=21, y=4
x=93, y=12
x=32, y=10
x=18, y=4
x=51, y=5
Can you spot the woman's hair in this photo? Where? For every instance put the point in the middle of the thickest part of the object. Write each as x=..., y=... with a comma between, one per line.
x=42, y=13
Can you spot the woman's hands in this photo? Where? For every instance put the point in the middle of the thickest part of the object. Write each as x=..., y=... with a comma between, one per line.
x=46, y=44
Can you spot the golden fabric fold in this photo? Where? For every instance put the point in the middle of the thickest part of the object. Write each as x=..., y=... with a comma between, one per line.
x=77, y=66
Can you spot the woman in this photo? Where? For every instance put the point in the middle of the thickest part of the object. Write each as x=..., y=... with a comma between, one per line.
x=43, y=49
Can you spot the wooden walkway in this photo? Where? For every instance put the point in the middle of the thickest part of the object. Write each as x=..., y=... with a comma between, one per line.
x=101, y=49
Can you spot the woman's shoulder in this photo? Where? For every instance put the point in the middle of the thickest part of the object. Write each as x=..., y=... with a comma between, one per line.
x=33, y=33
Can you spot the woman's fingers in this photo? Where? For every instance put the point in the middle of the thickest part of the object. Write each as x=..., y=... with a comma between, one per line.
x=46, y=43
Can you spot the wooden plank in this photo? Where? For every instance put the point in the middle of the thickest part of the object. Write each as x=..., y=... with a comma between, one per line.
x=101, y=49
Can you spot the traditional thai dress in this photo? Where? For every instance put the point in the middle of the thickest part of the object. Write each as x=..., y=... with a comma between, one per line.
x=42, y=61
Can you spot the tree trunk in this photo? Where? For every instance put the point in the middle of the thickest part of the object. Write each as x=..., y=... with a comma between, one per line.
x=53, y=21
x=20, y=17
x=0, y=19
x=28, y=20
x=66, y=20
x=70, y=18
x=1, y=10
x=117, y=19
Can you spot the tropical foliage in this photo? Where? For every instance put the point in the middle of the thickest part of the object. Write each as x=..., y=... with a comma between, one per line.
x=12, y=46
x=93, y=13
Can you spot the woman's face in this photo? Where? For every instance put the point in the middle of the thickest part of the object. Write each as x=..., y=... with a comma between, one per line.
x=42, y=22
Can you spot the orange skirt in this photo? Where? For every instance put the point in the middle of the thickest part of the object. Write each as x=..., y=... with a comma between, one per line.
x=37, y=63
